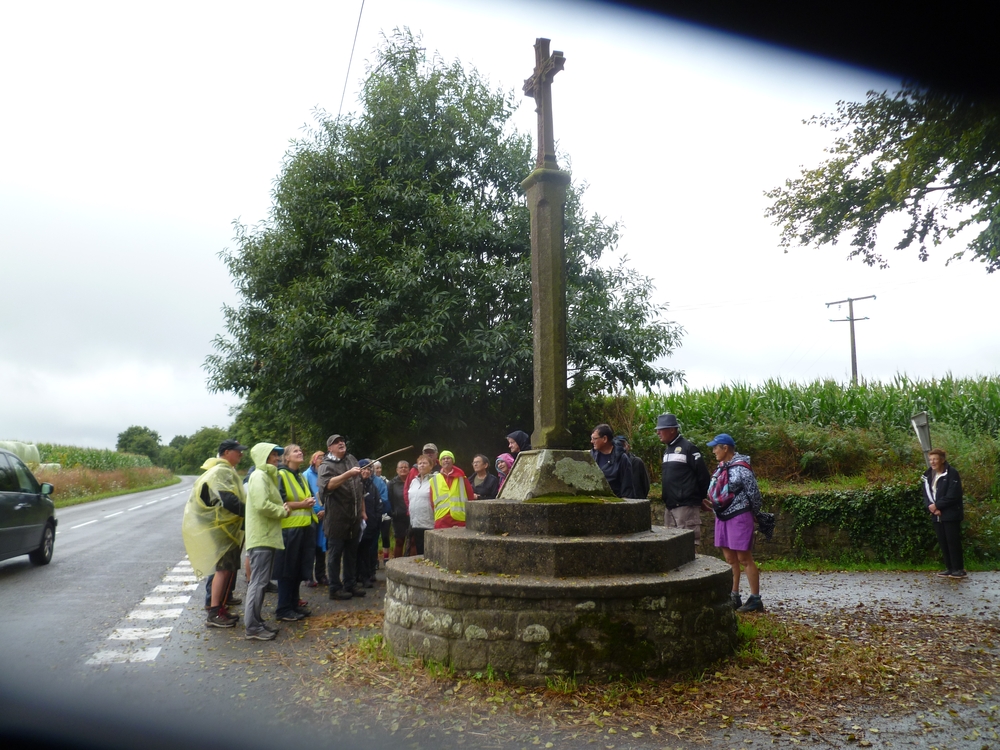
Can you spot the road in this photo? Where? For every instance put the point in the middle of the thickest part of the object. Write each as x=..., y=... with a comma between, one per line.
x=106, y=646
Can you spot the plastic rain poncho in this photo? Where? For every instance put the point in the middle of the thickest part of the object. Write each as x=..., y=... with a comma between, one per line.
x=210, y=530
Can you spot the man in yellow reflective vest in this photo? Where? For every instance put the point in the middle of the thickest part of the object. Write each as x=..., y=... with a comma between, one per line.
x=450, y=491
x=293, y=564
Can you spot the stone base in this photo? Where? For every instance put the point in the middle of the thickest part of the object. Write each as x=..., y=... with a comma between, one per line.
x=553, y=474
x=528, y=627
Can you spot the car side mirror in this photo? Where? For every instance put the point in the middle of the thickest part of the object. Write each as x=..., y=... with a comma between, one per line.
x=47, y=489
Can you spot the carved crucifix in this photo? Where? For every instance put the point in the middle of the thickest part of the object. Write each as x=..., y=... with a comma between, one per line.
x=539, y=88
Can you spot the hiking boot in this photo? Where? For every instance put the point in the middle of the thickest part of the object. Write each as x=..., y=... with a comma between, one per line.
x=944, y=574
x=261, y=635
x=340, y=594
x=753, y=604
x=223, y=612
x=957, y=574
x=735, y=599
x=358, y=591
x=219, y=620
x=234, y=600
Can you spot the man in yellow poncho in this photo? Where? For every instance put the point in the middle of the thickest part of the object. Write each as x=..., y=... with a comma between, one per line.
x=213, y=526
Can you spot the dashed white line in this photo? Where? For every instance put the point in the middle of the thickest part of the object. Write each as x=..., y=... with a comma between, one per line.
x=160, y=601
x=121, y=657
x=152, y=502
x=80, y=526
x=165, y=587
x=135, y=507
x=115, y=514
x=138, y=634
x=154, y=614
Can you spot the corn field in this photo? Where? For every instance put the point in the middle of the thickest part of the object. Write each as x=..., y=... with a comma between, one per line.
x=97, y=459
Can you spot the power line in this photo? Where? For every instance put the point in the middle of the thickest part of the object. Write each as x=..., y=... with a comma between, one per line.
x=850, y=319
x=350, y=60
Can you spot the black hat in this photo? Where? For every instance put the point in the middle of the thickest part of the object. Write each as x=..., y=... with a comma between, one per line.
x=230, y=445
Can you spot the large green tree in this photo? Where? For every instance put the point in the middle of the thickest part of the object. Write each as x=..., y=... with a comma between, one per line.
x=931, y=156
x=140, y=440
x=388, y=296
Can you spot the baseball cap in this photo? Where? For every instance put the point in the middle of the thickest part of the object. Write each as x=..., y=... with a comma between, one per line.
x=230, y=445
x=722, y=439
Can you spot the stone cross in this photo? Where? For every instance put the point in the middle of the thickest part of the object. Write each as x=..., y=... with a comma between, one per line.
x=539, y=88
x=545, y=189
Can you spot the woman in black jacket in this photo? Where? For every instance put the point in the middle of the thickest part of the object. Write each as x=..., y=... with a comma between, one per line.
x=943, y=499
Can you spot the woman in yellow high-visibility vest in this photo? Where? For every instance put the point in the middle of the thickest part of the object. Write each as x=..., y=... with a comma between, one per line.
x=294, y=563
x=450, y=491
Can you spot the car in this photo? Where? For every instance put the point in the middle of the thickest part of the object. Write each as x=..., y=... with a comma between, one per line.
x=27, y=513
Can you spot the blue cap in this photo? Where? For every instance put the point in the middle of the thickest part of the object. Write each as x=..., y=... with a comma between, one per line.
x=722, y=439
x=364, y=462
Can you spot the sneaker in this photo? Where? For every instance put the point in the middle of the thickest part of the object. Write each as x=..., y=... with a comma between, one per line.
x=340, y=594
x=735, y=599
x=261, y=635
x=957, y=574
x=292, y=616
x=269, y=629
x=217, y=620
x=753, y=604
x=358, y=591
x=304, y=611
x=944, y=574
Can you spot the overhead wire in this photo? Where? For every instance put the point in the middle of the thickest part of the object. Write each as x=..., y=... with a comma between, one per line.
x=350, y=61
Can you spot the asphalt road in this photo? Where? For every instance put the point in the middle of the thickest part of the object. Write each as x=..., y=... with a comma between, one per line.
x=107, y=646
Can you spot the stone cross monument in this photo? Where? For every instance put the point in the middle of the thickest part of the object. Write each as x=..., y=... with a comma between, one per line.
x=546, y=193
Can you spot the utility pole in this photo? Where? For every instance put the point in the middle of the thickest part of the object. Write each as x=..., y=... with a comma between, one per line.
x=850, y=319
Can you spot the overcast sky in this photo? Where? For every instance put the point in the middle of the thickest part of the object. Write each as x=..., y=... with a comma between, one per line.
x=134, y=134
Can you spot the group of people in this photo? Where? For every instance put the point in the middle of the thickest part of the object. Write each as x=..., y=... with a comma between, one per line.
x=319, y=522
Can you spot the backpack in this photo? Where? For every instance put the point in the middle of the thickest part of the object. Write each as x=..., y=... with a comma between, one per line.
x=718, y=490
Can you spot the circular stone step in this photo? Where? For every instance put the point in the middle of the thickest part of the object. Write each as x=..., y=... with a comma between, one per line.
x=557, y=519
x=654, y=551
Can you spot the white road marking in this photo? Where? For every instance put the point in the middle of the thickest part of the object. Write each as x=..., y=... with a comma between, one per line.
x=159, y=601
x=182, y=569
x=138, y=634
x=179, y=579
x=121, y=657
x=115, y=514
x=80, y=526
x=151, y=502
x=164, y=587
x=136, y=507
x=154, y=614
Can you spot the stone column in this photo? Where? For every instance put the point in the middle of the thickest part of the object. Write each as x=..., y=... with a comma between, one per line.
x=546, y=193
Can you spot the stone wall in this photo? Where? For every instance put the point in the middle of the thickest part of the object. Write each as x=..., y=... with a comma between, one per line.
x=817, y=541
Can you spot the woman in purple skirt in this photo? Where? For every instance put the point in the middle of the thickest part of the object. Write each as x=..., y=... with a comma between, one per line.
x=735, y=498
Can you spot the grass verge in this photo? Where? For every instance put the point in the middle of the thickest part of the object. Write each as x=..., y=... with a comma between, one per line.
x=67, y=502
x=794, y=676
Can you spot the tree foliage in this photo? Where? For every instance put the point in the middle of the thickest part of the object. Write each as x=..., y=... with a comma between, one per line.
x=933, y=157
x=140, y=440
x=389, y=293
